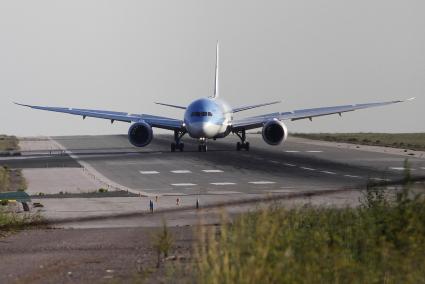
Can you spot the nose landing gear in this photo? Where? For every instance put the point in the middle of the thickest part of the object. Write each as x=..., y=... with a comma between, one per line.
x=178, y=135
x=202, y=145
x=243, y=144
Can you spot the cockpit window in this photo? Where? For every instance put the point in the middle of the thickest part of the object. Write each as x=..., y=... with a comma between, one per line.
x=203, y=113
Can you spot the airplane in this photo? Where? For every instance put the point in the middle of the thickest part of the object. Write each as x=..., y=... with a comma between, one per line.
x=211, y=118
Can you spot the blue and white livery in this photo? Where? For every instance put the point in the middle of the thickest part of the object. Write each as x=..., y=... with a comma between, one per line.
x=210, y=118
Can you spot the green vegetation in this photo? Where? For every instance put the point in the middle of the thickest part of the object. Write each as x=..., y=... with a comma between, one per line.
x=11, y=221
x=381, y=241
x=413, y=141
x=162, y=243
x=8, y=143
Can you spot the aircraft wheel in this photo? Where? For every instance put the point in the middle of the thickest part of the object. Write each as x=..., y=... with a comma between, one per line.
x=238, y=146
x=181, y=147
x=173, y=147
x=247, y=146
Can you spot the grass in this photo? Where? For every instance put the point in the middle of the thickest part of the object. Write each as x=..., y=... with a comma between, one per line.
x=381, y=241
x=8, y=143
x=11, y=221
x=11, y=180
x=413, y=141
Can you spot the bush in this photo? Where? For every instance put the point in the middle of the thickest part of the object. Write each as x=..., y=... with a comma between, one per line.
x=102, y=190
x=383, y=240
x=162, y=243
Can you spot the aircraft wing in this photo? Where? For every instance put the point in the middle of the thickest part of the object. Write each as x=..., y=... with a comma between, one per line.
x=258, y=121
x=154, y=121
x=239, y=109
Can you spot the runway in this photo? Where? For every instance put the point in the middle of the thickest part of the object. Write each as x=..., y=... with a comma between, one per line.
x=296, y=165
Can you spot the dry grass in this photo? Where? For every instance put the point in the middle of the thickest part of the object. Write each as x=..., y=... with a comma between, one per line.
x=413, y=141
x=382, y=241
x=12, y=221
x=8, y=143
x=11, y=180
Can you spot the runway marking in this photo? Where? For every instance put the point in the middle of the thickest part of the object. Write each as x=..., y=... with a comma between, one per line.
x=423, y=168
x=308, y=169
x=275, y=162
x=314, y=151
x=261, y=182
x=400, y=169
x=223, y=183
x=183, y=184
x=181, y=172
x=212, y=171
x=289, y=165
x=351, y=176
x=291, y=151
x=328, y=172
x=149, y=172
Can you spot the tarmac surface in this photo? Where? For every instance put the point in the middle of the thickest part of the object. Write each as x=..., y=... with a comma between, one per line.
x=223, y=170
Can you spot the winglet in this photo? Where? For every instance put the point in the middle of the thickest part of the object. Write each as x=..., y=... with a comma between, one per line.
x=217, y=69
x=18, y=104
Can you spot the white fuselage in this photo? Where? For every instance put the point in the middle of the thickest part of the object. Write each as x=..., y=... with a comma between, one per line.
x=208, y=118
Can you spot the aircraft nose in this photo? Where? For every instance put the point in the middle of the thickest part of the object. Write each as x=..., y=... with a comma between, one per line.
x=203, y=129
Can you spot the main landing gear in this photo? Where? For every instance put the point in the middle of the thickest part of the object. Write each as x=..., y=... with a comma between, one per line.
x=202, y=145
x=177, y=145
x=243, y=144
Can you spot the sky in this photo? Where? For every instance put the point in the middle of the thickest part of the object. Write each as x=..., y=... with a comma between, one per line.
x=125, y=55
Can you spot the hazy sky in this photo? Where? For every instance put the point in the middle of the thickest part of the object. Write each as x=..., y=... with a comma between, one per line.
x=124, y=55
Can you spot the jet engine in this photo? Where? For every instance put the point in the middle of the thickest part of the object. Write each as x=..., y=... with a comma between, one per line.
x=274, y=132
x=140, y=134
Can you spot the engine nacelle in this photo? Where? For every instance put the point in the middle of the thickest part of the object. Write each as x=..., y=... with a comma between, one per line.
x=275, y=132
x=140, y=134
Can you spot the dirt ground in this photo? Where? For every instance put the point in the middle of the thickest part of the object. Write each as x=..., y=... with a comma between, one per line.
x=124, y=255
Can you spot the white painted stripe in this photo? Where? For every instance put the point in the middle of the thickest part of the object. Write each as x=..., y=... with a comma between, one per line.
x=275, y=162
x=400, y=169
x=423, y=168
x=262, y=182
x=183, y=184
x=212, y=171
x=308, y=169
x=290, y=165
x=291, y=151
x=149, y=172
x=329, y=173
x=181, y=172
x=351, y=176
x=314, y=151
x=223, y=183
